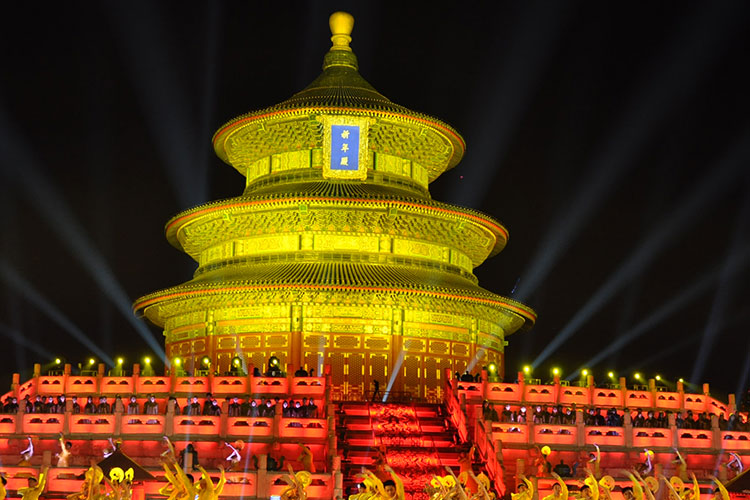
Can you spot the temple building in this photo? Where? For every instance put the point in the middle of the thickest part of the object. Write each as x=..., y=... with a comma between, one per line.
x=332, y=271
x=335, y=254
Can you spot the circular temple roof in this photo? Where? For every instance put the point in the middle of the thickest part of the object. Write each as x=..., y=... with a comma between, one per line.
x=339, y=90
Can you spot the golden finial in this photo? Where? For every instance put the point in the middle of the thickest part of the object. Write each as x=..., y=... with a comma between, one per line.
x=341, y=24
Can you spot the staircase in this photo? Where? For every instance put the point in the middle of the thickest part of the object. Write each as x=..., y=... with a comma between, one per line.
x=416, y=440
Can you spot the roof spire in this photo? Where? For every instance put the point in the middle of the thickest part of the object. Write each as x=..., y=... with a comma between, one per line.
x=340, y=54
x=341, y=24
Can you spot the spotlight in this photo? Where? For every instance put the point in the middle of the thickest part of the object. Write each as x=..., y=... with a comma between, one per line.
x=492, y=368
x=92, y=361
x=585, y=372
x=177, y=361
x=273, y=361
x=611, y=375
x=147, y=360
x=555, y=371
x=527, y=369
x=120, y=361
x=236, y=362
x=682, y=381
x=637, y=376
x=658, y=378
x=206, y=361
x=58, y=361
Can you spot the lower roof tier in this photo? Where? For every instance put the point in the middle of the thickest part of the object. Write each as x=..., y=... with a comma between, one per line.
x=334, y=283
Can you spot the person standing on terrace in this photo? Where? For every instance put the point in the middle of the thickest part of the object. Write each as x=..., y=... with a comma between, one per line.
x=63, y=458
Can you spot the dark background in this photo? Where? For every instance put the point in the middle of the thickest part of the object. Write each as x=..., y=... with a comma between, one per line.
x=610, y=138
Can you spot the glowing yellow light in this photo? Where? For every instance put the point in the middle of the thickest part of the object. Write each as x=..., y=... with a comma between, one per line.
x=236, y=362
x=585, y=372
x=206, y=361
x=682, y=380
x=527, y=369
x=637, y=376
x=556, y=371
x=120, y=361
x=611, y=374
x=91, y=361
x=58, y=361
x=177, y=361
x=658, y=377
x=492, y=368
x=147, y=360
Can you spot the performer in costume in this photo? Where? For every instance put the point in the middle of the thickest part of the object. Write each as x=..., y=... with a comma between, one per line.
x=465, y=467
x=298, y=483
x=234, y=457
x=594, y=462
x=90, y=488
x=121, y=483
x=35, y=487
x=397, y=491
x=648, y=487
x=206, y=488
x=682, y=467
x=647, y=466
x=674, y=487
x=306, y=458
x=63, y=458
x=637, y=488
x=27, y=454
x=590, y=489
x=186, y=483
x=174, y=488
x=721, y=492
x=735, y=464
x=524, y=491
x=559, y=489
x=542, y=464
x=693, y=493
x=484, y=492
x=606, y=485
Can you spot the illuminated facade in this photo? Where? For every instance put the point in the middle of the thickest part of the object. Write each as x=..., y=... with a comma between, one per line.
x=335, y=254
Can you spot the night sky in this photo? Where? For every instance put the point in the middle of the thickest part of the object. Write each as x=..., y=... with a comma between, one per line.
x=611, y=139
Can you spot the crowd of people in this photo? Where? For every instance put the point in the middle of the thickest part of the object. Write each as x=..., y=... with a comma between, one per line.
x=235, y=407
x=559, y=415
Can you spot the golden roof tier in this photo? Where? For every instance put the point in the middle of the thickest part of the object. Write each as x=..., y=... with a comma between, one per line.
x=299, y=123
x=335, y=253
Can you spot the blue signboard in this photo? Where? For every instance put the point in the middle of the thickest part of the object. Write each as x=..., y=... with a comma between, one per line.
x=344, y=147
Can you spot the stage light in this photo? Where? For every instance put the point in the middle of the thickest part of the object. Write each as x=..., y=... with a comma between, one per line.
x=177, y=361
x=682, y=381
x=92, y=361
x=678, y=221
x=658, y=378
x=555, y=371
x=492, y=368
x=147, y=360
x=236, y=362
x=120, y=361
x=206, y=361
x=611, y=375
x=637, y=376
x=527, y=369
x=585, y=372
x=9, y=275
x=58, y=361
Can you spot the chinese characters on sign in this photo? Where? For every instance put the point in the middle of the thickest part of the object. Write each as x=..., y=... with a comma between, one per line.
x=344, y=147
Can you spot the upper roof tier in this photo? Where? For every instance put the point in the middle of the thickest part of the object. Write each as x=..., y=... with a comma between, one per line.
x=298, y=123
